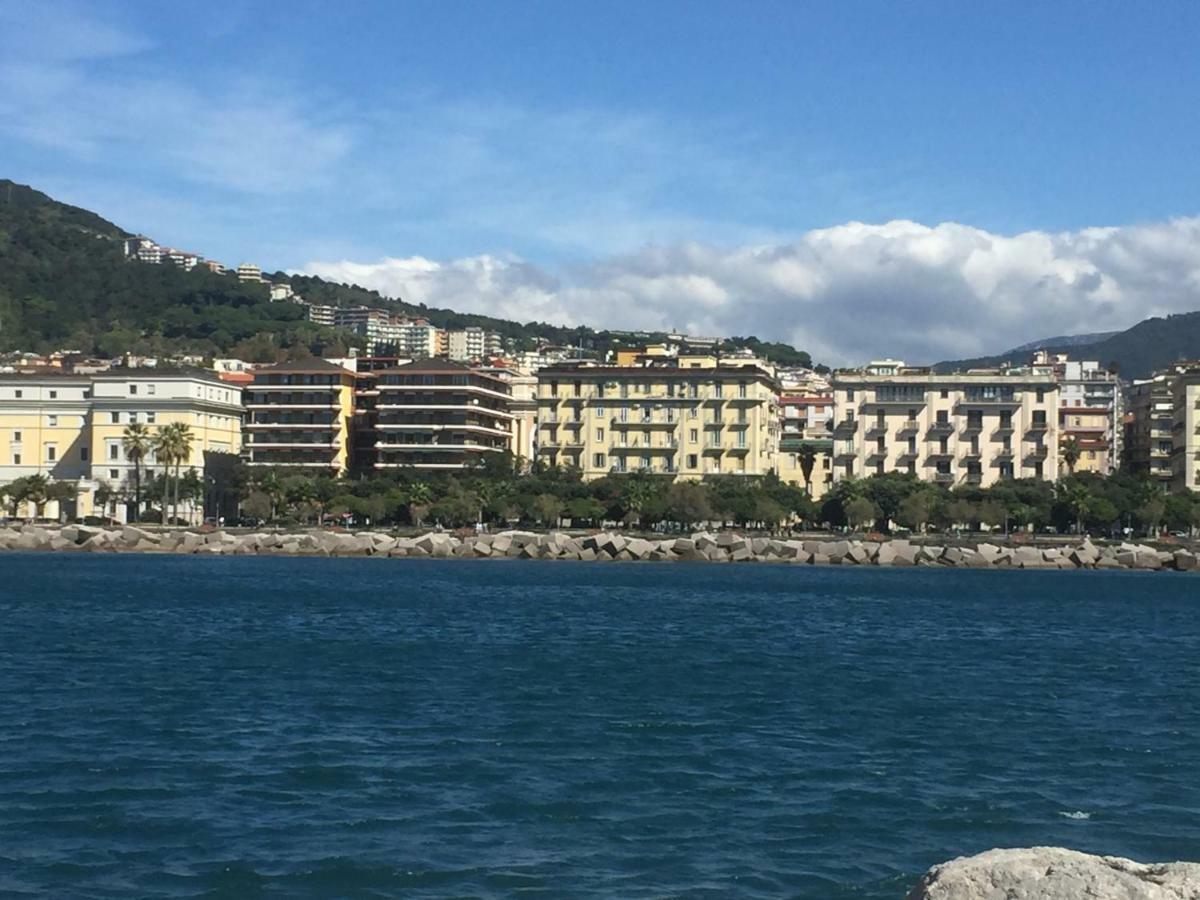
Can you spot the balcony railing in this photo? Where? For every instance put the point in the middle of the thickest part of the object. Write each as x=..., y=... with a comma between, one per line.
x=943, y=477
x=908, y=426
x=941, y=428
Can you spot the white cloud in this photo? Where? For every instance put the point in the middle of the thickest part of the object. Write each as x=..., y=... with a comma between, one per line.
x=846, y=293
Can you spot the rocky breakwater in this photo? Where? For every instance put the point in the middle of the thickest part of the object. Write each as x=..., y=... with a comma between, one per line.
x=1051, y=873
x=702, y=546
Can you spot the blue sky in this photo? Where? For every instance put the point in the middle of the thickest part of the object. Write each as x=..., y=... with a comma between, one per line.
x=615, y=162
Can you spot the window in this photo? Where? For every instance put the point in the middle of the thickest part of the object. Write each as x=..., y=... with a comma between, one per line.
x=850, y=396
x=115, y=418
x=598, y=461
x=150, y=388
x=114, y=474
x=52, y=421
x=51, y=453
x=599, y=412
x=83, y=454
x=54, y=395
x=16, y=459
x=149, y=418
x=599, y=434
x=717, y=390
x=945, y=394
x=16, y=437
x=692, y=460
x=742, y=390
x=114, y=451
x=1041, y=395
x=18, y=394
x=693, y=435
x=133, y=389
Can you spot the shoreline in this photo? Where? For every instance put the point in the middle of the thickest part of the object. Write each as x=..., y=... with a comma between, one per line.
x=715, y=547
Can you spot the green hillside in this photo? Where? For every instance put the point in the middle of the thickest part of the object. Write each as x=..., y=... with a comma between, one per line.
x=65, y=283
x=1135, y=353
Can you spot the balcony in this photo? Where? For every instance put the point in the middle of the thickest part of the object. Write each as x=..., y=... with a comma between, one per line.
x=845, y=452
x=971, y=428
x=908, y=426
x=1035, y=425
x=845, y=425
x=1001, y=431
x=1037, y=453
x=877, y=429
x=877, y=456
x=1004, y=454
x=974, y=478
x=1008, y=402
x=940, y=428
x=943, y=477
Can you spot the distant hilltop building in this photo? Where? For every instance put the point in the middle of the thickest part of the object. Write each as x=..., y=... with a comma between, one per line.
x=249, y=272
x=215, y=267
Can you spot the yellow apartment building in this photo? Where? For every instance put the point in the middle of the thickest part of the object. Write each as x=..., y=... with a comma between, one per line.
x=975, y=428
x=1185, y=431
x=299, y=415
x=70, y=427
x=1091, y=427
x=684, y=422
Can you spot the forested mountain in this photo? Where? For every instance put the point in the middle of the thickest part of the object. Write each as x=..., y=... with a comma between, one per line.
x=65, y=283
x=1135, y=353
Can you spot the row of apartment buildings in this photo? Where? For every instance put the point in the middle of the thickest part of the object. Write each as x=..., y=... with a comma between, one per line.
x=386, y=332
x=686, y=416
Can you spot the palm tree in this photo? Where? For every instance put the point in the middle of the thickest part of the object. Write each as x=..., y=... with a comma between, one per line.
x=808, y=461
x=182, y=438
x=1070, y=453
x=166, y=448
x=136, y=441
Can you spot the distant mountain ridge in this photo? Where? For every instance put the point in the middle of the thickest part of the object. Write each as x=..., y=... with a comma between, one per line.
x=1136, y=352
x=1066, y=340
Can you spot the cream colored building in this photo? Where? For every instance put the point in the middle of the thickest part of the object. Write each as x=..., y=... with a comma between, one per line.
x=686, y=421
x=1185, y=430
x=70, y=427
x=974, y=428
x=1150, y=434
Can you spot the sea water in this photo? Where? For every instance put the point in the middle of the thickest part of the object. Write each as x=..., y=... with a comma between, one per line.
x=264, y=727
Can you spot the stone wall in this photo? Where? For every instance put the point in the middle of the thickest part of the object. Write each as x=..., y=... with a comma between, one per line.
x=703, y=546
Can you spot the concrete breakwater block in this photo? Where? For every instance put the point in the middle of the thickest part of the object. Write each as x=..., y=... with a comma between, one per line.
x=1053, y=873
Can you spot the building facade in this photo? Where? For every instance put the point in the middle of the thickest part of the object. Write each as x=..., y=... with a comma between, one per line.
x=1150, y=433
x=435, y=415
x=685, y=422
x=299, y=415
x=975, y=428
x=806, y=442
x=1185, y=430
x=71, y=427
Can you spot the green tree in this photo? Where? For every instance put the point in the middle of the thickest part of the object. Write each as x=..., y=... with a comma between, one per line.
x=548, y=509
x=1070, y=452
x=687, y=503
x=1150, y=515
x=585, y=509
x=861, y=513
x=37, y=492
x=65, y=494
x=916, y=509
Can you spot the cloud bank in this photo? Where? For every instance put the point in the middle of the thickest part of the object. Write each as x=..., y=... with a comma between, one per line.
x=846, y=294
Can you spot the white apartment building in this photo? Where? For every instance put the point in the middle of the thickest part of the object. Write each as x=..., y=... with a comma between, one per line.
x=974, y=428
x=320, y=314
x=1162, y=430
x=472, y=343
x=1091, y=408
x=249, y=272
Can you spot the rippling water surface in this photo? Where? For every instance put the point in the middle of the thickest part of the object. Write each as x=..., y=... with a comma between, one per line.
x=180, y=726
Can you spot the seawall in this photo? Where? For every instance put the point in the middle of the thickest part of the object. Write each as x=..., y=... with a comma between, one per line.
x=725, y=546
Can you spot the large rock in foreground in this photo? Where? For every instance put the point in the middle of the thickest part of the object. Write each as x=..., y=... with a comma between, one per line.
x=1051, y=873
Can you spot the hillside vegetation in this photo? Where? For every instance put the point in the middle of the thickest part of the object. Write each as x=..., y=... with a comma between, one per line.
x=65, y=283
